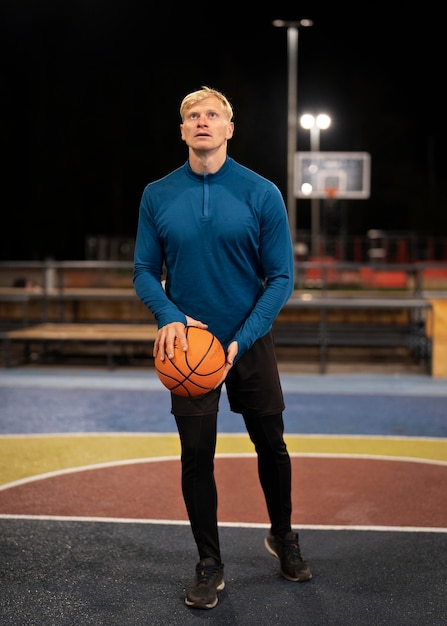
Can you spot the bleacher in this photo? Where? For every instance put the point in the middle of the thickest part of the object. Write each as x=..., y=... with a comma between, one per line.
x=84, y=316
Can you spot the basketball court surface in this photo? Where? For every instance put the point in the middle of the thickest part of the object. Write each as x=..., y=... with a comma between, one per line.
x=94, y=530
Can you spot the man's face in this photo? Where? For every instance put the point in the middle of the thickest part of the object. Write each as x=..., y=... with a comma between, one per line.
x=205, y=126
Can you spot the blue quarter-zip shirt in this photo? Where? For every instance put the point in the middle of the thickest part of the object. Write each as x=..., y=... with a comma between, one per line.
x=224, y=242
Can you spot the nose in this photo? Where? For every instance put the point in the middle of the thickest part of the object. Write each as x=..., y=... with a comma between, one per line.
x=202, y=119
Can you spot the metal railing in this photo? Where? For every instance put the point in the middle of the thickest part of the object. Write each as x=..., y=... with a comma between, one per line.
x=325, y=274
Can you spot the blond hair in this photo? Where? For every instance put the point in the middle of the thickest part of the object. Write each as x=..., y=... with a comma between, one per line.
x=205, y=92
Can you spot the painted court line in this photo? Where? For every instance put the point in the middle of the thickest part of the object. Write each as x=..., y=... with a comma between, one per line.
x=240, y=455
x=124, y=520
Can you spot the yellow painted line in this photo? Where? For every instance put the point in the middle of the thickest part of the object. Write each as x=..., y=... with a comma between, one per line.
x=32, y=455
x=418, y=447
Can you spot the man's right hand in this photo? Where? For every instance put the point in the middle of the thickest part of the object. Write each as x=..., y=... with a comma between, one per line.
x=167, y=335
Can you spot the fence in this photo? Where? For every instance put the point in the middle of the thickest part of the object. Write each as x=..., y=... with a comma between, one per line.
x=52, y=280
x=377, y=246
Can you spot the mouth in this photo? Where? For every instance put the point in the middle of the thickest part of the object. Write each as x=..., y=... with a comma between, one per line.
x=203, y=135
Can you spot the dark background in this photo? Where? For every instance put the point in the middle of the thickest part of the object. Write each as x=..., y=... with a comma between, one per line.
x=91, y=91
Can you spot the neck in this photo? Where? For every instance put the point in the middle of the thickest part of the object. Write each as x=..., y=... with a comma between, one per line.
x=206, y=162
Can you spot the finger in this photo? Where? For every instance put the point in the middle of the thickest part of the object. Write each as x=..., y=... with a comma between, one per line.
x=159, y=350
x=232, y=352
x=179, y=336
x=169, y=350
x=190, y=321
x=175, y=338
x=227, y=368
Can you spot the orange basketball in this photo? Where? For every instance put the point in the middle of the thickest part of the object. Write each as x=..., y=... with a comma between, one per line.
x=196, y=371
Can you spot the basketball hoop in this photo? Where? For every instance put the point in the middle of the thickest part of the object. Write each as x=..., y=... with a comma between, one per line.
x=332, y=175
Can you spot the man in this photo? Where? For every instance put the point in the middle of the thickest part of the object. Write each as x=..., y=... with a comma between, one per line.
x=219, y=233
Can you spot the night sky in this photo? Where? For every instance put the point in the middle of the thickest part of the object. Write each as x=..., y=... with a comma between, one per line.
x=91, y=91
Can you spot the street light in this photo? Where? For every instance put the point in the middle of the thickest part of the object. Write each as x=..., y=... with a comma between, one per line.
x=292, y=123
x=315, y=125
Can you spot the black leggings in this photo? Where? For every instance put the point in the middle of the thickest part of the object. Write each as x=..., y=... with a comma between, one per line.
x=198, y=445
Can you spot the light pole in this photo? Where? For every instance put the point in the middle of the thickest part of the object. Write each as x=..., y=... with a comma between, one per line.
x=315, y=125
x=292, y=122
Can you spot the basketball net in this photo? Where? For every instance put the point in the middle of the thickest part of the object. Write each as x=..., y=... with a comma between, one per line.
x=331, y=193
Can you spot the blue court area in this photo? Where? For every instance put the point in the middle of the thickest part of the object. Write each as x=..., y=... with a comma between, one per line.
x=65, y=570
x=64, y=401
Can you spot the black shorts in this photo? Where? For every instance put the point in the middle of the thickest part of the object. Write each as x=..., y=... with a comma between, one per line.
x=253, y=386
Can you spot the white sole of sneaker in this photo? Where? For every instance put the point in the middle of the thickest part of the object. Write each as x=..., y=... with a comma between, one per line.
x=271, y=551
x=211, y=605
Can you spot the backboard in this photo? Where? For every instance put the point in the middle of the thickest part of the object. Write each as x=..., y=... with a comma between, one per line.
x=341, y=175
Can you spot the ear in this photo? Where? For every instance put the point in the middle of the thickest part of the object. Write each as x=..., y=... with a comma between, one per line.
x=181, y=132
x=230, y=130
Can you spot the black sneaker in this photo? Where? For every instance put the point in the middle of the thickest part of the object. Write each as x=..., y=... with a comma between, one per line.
x=202, y=592
x=287, y=550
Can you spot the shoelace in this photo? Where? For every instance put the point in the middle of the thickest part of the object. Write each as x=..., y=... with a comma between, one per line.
x=292, y=549
x=204, y=573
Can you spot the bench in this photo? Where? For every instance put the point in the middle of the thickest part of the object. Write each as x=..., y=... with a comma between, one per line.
x=407, y=329
x=370, y=323
x=108, y=334
x=92, y=304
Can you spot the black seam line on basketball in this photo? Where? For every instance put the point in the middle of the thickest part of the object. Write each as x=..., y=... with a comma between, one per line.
x=180, y=383
x=193, y=371
x=184, y=379
x=206, y=354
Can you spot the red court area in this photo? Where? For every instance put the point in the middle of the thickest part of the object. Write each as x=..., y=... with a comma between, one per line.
x=326, y=491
